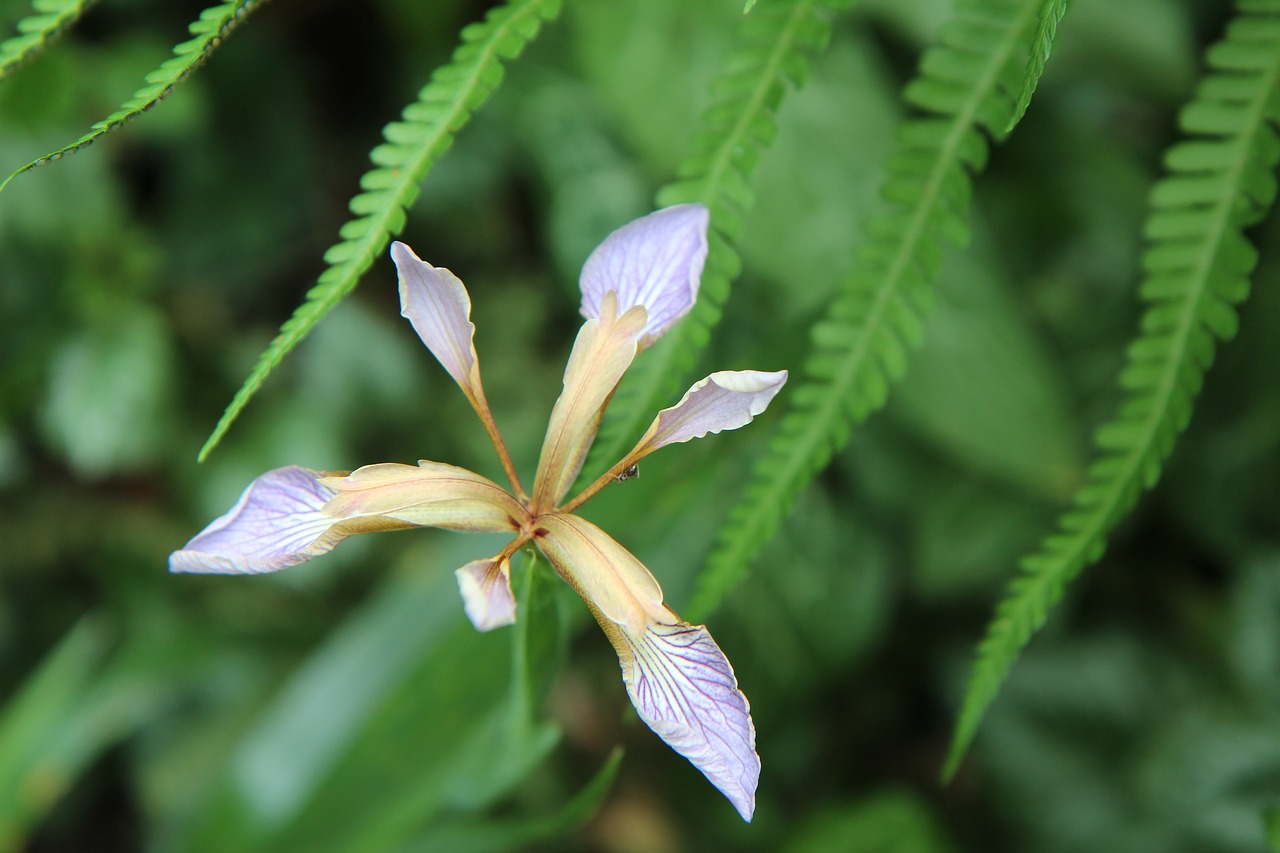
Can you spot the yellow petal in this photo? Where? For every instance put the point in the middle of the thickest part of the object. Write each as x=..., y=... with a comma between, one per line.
x=430, y=494
x=601, y=354
x=605, y=574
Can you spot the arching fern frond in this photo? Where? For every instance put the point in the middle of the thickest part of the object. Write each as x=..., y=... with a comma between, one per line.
x=1041, y=44
x=38, y=31
x=1196, y=271
x=965, y=83
x=413, y=144
x=775, y=40
x=213, y=25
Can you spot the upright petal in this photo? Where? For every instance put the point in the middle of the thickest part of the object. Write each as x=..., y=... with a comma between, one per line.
x=278, y=521
x=725, y=400
x=486, y=593
x=655, y=261
x=429, y=494
x=684, y=688
x=603, y=351
x=436, y=303
x=605, y=574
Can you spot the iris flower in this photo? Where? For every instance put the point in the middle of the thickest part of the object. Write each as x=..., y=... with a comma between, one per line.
x=635, y=286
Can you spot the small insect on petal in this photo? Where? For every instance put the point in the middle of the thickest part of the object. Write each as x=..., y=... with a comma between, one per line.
x=631, y=472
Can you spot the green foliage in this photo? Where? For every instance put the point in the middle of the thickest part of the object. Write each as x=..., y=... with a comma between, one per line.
x=1196, y=271
x=38, y=31
x=861, y=345
x=734, y=131
x=1041, y=45
x=209, y=31
x=412, y=146
x=348, y=704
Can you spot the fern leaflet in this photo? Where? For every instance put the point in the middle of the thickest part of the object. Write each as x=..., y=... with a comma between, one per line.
x=213, y=25
x=734, y=130
x=413, y=144
x=860, y=347
x=1195, y=272
x=38, y=31
x=1041, y=44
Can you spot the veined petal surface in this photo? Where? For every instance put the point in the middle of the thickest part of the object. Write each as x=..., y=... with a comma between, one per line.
x=601, y=354
x=725, y=400
x=684, y=688
x=278, y=522
x=606, y=575
x=486, y=593
x=429, y=494
x=655, y=261
x=435, y=301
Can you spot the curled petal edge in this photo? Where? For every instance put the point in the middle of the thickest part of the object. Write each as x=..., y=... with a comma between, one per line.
x=486, y=593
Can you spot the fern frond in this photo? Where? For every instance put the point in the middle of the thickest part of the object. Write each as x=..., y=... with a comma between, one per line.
x=209, y=30
x=1041, y=44
x=413, y=144
x=38, y=31
x=774, y=42
x=965, y=83
x=1195, y=273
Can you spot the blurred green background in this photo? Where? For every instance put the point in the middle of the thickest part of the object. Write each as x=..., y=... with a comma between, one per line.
x=346, y=704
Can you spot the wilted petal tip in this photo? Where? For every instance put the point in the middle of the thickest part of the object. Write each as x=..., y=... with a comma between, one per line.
x=486, y=593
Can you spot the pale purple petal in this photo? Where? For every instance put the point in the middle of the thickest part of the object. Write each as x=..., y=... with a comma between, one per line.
x=486, y=593
x=725, y=400
x=684, y=688
x=655, y=261
x=436, y=303
x=276, y=523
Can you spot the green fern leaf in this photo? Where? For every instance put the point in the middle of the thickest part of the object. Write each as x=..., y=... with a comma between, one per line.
x=774, y=43
x=413, y=144
x=860, y=346
x=1195, y=273
x=38, y=31
x=208, y=31
x=1041, y=44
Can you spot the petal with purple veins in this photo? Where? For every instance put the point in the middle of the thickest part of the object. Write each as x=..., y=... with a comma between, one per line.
x=435, y=301
x=279, y=521
x=725, y=400
x=655, y=261
x=684, y=688
x=486, y=593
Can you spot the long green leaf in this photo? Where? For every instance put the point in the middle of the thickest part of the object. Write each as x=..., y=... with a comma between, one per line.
x=775, y=41
x=425, y=131
x=860, y=346
x=209, y=31
x=1041, y=44
x=38, y=31
x=1196, y=271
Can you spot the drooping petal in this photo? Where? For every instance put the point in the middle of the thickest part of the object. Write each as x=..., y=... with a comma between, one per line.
x=278, y=522
x=684, y=688
x=486, y=593
x=435, y=301
x=602, y=352
x=655, y=261
x=429, y=494
x=725, y=400
x=605, y=574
